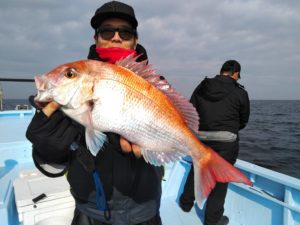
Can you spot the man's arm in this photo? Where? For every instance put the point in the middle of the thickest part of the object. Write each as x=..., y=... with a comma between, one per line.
x=244, y=111
x=51, y=134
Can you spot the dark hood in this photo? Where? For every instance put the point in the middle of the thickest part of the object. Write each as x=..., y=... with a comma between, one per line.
x=217, y=88
x=92, y=53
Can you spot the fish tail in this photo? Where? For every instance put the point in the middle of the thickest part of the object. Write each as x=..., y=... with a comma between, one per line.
x=210, y=168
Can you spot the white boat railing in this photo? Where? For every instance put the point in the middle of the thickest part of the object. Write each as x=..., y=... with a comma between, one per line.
x=1, y=98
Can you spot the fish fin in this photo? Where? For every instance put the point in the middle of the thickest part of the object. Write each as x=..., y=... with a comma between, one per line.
x=158, y=158
x=94, y=140
x=211, y=169
x=146, y=71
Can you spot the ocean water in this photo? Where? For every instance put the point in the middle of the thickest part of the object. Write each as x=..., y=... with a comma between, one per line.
x=10, y=104
x=271, y=138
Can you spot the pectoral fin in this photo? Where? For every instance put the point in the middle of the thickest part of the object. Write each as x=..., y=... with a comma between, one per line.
x=94, y=140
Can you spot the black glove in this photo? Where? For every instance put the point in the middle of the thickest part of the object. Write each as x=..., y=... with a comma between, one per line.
x=52, y=137
x=113, y=139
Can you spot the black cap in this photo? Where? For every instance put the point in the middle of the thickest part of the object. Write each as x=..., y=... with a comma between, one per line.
x=231, y=66
x=114, y=9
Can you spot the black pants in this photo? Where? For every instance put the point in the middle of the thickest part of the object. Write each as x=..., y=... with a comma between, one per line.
x=81, y=219
x=215, y=202
x=214, y=208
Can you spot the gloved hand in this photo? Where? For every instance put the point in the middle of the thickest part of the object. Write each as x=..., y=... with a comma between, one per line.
x=52, y=136
x=124, y=145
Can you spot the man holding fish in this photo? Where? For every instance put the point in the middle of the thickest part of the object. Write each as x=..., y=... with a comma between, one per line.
x=219, y=130
x=118, y=104
x=132, y=187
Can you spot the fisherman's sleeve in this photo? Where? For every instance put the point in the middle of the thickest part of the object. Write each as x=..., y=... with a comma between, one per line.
x=244, y=110
x=193, y=100
x=51, y=137
x=114, y=140
x=194, y=96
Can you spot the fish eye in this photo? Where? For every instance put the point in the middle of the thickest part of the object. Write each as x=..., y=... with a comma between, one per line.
x=70, y=74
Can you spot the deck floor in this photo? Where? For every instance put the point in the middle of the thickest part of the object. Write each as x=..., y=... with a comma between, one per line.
x=171, y=214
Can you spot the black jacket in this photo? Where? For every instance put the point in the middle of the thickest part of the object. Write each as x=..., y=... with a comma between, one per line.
x=131, y=185
x=222, y=104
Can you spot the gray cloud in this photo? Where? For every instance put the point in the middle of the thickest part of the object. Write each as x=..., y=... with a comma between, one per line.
x=186, y=41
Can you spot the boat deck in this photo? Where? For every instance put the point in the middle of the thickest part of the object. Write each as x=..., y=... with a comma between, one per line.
x=274, y=198
x=172, y=214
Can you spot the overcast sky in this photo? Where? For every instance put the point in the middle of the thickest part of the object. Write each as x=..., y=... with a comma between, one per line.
x=185, y=40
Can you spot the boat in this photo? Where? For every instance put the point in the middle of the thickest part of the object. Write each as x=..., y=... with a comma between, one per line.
x=1, y=98
x=28, y=197
x=22, y=106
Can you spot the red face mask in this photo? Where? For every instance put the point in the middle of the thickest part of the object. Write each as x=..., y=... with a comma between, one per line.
x=111, y=55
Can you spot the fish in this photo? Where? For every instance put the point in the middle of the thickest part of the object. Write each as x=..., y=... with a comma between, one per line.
x=131, y=99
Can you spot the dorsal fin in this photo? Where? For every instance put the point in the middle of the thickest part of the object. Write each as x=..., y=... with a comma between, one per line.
x=148, y=73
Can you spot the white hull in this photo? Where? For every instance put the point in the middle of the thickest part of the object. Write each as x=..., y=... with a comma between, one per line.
x=274, y=198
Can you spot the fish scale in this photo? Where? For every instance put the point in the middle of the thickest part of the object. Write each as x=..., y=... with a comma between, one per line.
x=153, y=131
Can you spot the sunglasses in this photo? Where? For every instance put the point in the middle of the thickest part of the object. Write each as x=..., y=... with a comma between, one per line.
x=107, y=33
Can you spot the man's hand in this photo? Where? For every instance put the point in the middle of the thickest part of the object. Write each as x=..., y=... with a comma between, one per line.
x=129, y=147
x=50, y=108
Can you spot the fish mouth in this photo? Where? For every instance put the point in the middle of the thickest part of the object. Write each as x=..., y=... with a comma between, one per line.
x=44, y=88
x=42, y=98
